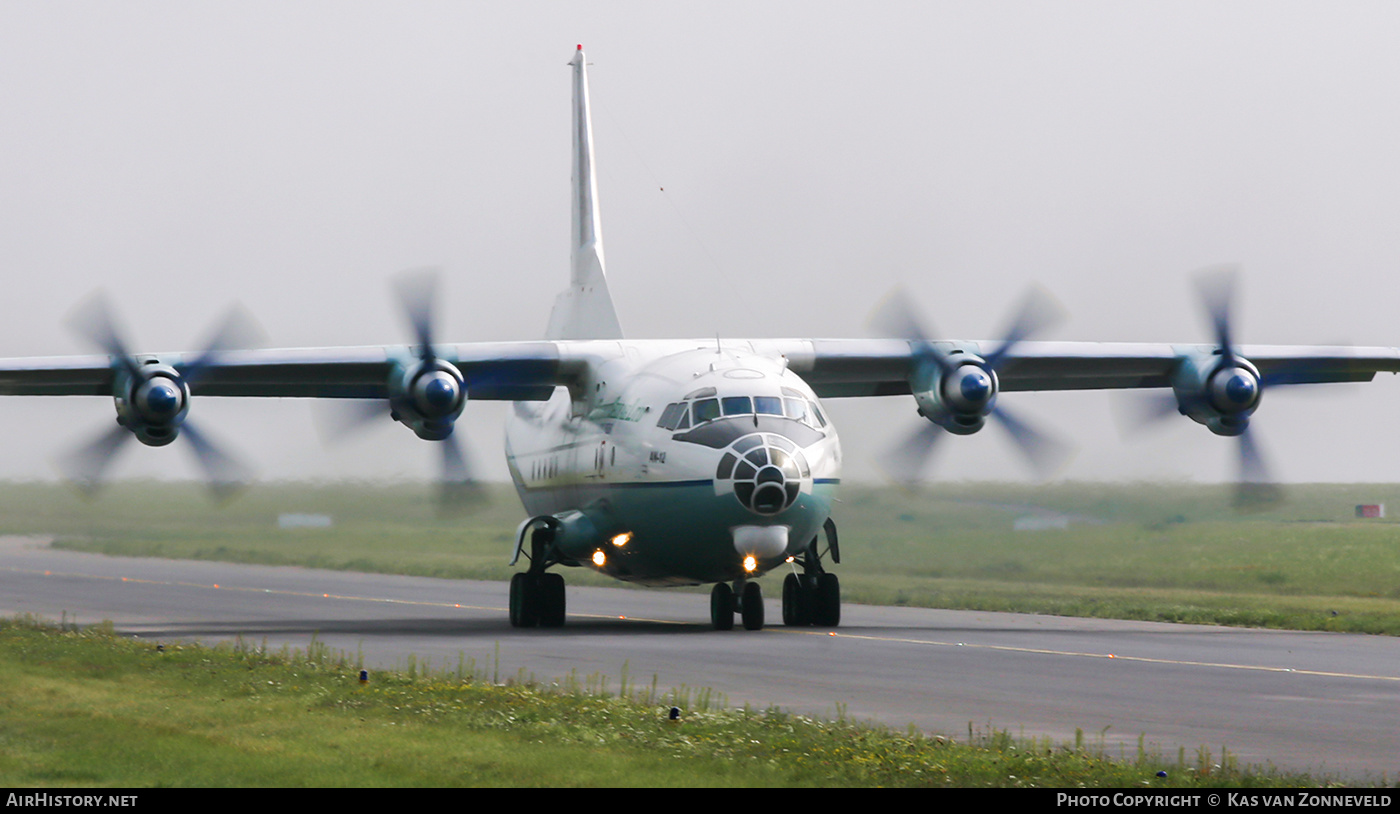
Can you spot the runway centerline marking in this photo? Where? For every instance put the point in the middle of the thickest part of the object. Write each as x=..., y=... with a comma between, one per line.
x=1106, y=656
x=313, y=594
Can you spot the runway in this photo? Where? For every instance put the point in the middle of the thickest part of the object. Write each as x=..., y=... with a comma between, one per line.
x=1327, y=703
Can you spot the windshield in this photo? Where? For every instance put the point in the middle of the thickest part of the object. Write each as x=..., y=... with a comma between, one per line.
x=682, y=415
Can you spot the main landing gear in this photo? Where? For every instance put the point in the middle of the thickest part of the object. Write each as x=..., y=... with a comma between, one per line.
x=811, y=598
x=808, y=601
x=814, y=596
x=536, y=600
x=536, y=595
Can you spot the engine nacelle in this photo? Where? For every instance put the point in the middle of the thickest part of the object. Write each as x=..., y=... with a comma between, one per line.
x=958, y=394
x=152, y=403
x=1219, y=392
x=576, y=536
x=427, y=397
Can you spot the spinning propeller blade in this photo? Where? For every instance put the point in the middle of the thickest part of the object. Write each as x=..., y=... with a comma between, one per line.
x=236, y=331
x=907, y=460
x=417, y=291
x=225, y=474
x=1216, y=286
x=86, y=466
x=1037, y=311
x=459, y=492
x=1228, y=388
x=1045, y=453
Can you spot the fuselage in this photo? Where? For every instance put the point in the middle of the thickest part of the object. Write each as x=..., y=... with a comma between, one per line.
x=681, y=461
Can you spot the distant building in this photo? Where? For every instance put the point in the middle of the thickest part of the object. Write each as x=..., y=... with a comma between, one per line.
x=303, y=521
x=1040, y=522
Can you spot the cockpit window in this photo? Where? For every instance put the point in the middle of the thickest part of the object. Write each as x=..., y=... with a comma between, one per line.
x=706, y=410
x=682, y=415
x=671, y=416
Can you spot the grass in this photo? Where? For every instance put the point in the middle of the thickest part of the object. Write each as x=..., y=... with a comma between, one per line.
x=89, y=708
x=1138, y=551
x=1168, y=552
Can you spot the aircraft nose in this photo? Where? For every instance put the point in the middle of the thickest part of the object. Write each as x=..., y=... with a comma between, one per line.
x=766, y=472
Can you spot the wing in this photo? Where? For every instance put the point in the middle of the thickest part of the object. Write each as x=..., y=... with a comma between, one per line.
x=424, y=387
x=955, y=386
x=515, y=371
x=889, y=367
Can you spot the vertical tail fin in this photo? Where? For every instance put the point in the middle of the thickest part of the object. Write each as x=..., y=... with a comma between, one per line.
x=584, y=310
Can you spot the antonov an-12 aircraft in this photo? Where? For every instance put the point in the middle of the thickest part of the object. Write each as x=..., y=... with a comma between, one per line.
x=675, y=462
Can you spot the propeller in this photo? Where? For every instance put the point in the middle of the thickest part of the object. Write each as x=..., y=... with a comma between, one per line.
x=153, y=400
x=1221, y=392
x=957, y=391
x=426, y=394
x=1255, y=489
x=1216, y=287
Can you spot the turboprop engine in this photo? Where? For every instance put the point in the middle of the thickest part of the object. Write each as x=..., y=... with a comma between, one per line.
x=427, y=395
x=956, y=389
x=152, y=401
x=957, y=392
x=1220, y=390
x=1218, y=387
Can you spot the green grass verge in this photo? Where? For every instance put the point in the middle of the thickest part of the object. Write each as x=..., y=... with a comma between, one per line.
x=1169, y=552
x=89, y=708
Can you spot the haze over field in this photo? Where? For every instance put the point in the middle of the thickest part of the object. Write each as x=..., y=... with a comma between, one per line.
x=767, y=169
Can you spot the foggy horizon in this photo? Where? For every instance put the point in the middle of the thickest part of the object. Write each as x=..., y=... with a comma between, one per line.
x=768, y=169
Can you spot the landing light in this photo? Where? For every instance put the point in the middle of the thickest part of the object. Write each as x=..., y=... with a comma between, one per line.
x=599, y=558
x=750, y=564
x=622, y=539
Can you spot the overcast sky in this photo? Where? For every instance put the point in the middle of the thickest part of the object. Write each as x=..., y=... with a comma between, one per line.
x=765, y=169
